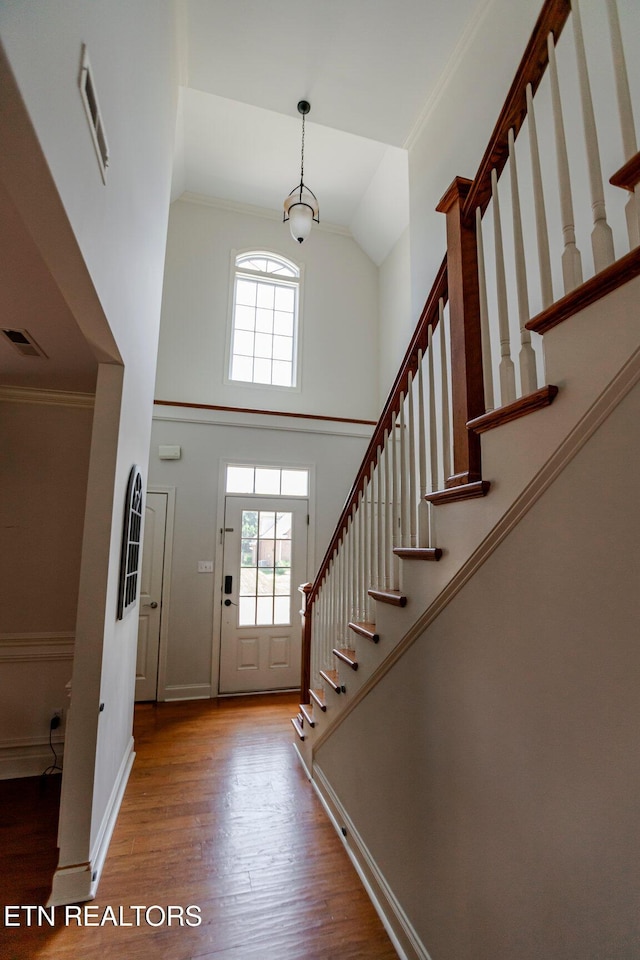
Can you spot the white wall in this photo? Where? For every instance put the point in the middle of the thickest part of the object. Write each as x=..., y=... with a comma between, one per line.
x=332, y=452
x=458, y=124
x=339, y=315
x=505, y=735
x=110, y=263
x=397, y=320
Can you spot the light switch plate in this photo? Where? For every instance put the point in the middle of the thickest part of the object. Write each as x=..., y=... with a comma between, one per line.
x=205, y=566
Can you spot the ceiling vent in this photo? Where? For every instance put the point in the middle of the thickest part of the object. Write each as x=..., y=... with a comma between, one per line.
x=23, y=342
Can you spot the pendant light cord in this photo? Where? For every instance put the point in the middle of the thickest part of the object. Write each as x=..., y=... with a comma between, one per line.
x=302, y=154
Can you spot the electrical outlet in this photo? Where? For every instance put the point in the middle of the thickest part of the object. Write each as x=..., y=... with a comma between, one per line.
x=56, y=718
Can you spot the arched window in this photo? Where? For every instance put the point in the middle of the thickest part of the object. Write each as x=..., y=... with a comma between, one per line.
x=264, y=336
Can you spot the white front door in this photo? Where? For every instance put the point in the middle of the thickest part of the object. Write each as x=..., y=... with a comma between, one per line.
x=155, y=521
x=265, y=554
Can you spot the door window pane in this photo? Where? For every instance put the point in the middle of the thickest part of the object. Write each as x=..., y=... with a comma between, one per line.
x=240, y=480
x=282, y=610
x=265, y=568
x=247, y=611
x=267, y=481
x=264, y=613
x=248, y=582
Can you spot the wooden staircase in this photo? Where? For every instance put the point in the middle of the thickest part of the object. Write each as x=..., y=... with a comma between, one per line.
x=442, y=435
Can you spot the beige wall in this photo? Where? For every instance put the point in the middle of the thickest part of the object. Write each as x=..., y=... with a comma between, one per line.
x=42, y=498
x=496, y=774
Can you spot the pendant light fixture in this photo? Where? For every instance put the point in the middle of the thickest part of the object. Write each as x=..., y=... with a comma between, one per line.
x=301, y=206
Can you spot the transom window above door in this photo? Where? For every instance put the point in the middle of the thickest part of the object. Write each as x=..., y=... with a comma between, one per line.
x=267, y=481
x=265, y=315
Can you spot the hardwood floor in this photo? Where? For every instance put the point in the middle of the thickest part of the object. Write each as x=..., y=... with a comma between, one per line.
x=217, y=815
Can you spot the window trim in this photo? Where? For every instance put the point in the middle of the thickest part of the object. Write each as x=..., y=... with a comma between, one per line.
x=296, y=387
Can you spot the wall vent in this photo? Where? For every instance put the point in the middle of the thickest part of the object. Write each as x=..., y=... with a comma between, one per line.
x=92, y=110
x=23, y=342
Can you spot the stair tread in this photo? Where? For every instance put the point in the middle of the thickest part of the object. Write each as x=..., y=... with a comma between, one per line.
x=297, y=726
x=318, y=697
x=306, y=709
x=418, y=553
x=464, y=491
x=395, y=597
x=347, y=655
x=332, y=678
x=366, y=629
x=530, y=403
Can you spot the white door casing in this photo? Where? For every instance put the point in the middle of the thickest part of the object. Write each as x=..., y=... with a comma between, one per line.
x=151, y=579
x=265, y=556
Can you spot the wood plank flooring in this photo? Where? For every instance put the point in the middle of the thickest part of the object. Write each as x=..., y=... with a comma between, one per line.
x=217, y=814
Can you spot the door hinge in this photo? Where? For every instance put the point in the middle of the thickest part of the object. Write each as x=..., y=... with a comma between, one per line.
x=307, y=519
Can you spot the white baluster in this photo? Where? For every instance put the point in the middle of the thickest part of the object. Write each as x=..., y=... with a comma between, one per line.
x=388, y=519
x=627, y=124
x=433, y=429
x=601, y=235
x=571, y=258
x=447, y=439
x=527, y=358
x=322, y=616
x=487, y=366
x=413, y=496
x=379, y=522
x=355, y=572
x=395, y=497
x=373, y=570
x=423, y=510
x=366, y=553
x=359, y=612
x=542, y=231
x=355, y=562
x=346, y=605
x=404, y=524
x=506, y=369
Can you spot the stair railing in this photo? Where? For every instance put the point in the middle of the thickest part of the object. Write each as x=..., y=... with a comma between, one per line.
x=425, y=449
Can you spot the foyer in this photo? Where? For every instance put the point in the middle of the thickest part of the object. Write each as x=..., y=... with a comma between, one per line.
x=217, y=815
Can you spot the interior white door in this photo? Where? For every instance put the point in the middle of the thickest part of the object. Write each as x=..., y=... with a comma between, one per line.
x=265, y=558
x=155, y=522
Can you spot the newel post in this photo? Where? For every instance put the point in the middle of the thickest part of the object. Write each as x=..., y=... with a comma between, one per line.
x=305, y=663
x=467, y=388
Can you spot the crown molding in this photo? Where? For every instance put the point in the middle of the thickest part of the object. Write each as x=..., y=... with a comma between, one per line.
x=266, y=213
x=58, y=398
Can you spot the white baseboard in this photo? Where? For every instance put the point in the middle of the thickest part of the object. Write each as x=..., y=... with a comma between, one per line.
x=187, y=691
x=28, y=756
x=77, y=883
x=396, y=923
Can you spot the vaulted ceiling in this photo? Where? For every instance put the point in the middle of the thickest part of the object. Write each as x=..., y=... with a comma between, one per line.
x=368, y=68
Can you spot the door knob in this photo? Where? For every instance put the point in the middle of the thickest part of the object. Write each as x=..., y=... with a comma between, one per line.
x=153, y=604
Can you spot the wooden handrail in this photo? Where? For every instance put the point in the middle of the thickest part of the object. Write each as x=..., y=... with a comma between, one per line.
x=428, y=318
x=553, y=16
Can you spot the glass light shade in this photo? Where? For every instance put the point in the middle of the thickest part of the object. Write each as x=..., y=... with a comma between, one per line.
x=300, y=220
x=301, y=209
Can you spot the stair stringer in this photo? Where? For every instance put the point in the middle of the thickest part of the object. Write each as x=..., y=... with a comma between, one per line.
x=594, y=362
